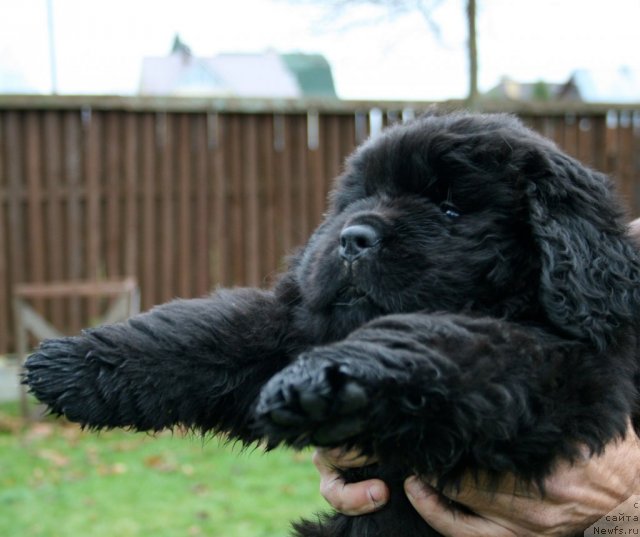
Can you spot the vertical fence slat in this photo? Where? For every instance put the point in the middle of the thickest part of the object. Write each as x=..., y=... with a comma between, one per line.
x=201, y=205
x=54, y=202
x=16, y=186
x=299, y=179
x=15, y=178
x=570, y=135
x=599, y=140
x=112, y=181
x=93, y=125
x=333, y=151
x=267, y=149
x=234, y=224
x=283, y=173
x=5, y=290
x=131, y=201
x=217, y=140
x=75, y=192
x=251, y=203
x=314, y=176
x=148, y=274
x=164, y=130
x=184, y=213
x=35, y=223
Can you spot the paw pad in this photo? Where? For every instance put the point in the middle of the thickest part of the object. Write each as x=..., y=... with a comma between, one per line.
x=312, y=403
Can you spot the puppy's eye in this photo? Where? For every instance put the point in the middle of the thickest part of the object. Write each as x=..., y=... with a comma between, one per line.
x=449, y=209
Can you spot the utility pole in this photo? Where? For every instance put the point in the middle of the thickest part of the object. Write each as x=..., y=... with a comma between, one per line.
x=472, y=98
x=52, y=49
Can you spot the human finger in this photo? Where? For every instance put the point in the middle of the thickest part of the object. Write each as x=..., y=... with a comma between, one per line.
x=577, y=493
x=444, y=518
x=348, y=498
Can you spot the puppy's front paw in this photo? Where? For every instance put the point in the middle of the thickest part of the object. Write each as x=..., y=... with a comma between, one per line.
x=313, y=401
x=74, y=378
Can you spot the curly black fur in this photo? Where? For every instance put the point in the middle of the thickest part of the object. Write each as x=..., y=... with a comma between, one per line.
x=469, y=302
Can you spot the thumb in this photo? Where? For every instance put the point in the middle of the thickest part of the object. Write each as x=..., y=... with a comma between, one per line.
x=420, y=493
x=443, y=517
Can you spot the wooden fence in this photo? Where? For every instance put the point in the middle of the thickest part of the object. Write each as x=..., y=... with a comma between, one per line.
x=187, y=195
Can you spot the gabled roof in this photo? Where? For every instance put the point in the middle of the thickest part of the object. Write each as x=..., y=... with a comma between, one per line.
x=179, y=74
x=313, y=73
x=256, y=75
x=267, y=75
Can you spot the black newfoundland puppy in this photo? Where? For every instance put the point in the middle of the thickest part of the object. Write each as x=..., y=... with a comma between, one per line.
x=469, y=302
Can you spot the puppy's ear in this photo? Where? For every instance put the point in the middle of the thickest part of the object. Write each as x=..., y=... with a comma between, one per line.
x=590, y=275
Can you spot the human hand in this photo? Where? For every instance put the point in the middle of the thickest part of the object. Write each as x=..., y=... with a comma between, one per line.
x=576, y=495
x=353, y=498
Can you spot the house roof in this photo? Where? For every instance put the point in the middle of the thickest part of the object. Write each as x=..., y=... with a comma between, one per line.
x=313, y=73
x=256, y=75
x=267, y=75
x=181, y=74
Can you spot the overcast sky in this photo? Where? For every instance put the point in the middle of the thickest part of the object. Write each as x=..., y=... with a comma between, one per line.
x=100, y=44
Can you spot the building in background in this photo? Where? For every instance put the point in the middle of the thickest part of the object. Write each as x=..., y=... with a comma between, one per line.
x=265, y=75
x=603, y=86
x=540, y=91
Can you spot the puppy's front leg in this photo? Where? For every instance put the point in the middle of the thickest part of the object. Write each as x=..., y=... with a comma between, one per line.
x=438, y=393
x=198, y=363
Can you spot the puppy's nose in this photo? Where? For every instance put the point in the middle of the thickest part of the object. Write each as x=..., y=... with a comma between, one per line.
x=356, y=240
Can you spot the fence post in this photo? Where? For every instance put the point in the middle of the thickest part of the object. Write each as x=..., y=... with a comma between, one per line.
x=21, y=347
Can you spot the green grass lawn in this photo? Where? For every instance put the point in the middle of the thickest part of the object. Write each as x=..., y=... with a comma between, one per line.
x=56, y=480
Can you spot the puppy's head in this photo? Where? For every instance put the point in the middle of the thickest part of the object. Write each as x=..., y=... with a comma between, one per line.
x=470, y=213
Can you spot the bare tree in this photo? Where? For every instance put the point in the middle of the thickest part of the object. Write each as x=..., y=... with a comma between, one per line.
x=426, y=8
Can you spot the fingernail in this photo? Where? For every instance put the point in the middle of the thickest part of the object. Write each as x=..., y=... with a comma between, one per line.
x=412, y=486
x=415, y=488
x=378, y=495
